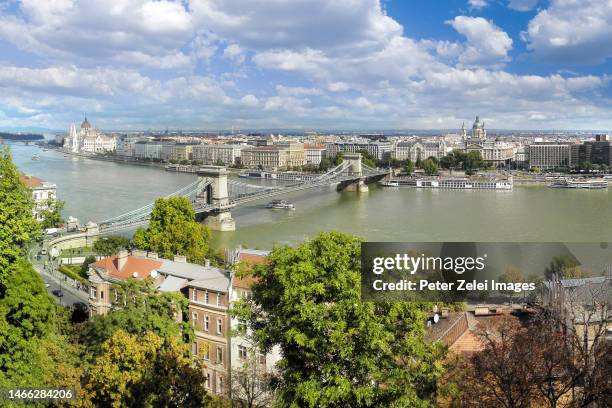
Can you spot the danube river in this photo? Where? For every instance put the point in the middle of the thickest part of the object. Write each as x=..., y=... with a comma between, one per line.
x=95, y=190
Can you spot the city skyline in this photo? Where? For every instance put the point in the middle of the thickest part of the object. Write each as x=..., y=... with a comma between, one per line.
x=364, y=64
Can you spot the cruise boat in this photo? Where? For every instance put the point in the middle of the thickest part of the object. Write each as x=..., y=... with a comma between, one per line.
x=591, y=183
x=389, y=183
x=280, y=205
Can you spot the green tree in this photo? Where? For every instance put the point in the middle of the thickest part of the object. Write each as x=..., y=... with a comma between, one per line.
x=145, y=371
x=173, y=230
x=409, y=167
x=367, y=158
x=338, y=351
x=338, y=159
x=17, y=224
x=430, y=167
x=108, y=246
x=325, y=164
x=51, y=215
x=89, y=259
x=139, y=308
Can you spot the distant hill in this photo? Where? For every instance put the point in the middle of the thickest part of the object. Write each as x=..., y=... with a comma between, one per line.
x=21, y=136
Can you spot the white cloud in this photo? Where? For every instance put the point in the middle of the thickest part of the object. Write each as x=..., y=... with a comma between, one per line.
x=342, y=27
x=235, y=53
x=573, y=32
x=477, y=4
x=101, y=31
x=522, y=5
x=311, y=63
x=486, y=43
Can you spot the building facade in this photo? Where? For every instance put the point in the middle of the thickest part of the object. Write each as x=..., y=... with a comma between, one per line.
x=314, y=154
x=378, y=149
x=419, y=150
x=43, y=193
x=550, y=155
x=598, y=151
x=495, y=152
x=227, y=154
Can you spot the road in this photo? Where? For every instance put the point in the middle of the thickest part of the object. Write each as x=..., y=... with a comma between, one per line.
x=71, y=295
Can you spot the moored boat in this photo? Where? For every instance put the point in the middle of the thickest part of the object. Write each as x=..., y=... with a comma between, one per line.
x=590, y=183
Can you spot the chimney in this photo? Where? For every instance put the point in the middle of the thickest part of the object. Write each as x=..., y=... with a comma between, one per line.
x=207, y=263
x=180, y=258
x=152, y=255
x=139, y=252
x=122, y=258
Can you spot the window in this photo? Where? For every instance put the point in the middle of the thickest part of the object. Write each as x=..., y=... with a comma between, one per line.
x=93, y=293
x=261, y=358
x=220, y=390
x=101, y=294
x=241, y=325
x=207, y=381
x=206, y=297
x=194, y=349
x=219, y=355
x=205, y=323
x=194, y=319
x=194, y=294
x=242, y=352
x=219, y=326
x=218, y=299
x=207, y=353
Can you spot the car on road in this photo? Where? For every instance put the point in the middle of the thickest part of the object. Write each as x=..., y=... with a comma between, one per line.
x=58, y=293
x=47, y=284
x=43, y=251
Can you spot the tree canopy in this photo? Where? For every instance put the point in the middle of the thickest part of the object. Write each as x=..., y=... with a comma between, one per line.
x=17, y=224
x=173, y=230
x=336, y=350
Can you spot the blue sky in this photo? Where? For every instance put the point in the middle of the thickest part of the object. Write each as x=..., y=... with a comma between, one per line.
x=306, y=64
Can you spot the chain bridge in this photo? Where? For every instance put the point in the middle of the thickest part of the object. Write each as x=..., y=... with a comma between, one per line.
x=213, y=194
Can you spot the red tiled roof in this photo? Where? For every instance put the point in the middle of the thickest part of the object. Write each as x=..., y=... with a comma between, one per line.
x=143, y=266
x=251, y=258
x=31, y=181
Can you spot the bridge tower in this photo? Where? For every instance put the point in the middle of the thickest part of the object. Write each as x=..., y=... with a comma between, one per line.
x=217, y=195
x=354, y=169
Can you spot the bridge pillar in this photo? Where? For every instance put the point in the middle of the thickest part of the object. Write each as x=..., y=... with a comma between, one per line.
x=217, y=195
x=354, y=169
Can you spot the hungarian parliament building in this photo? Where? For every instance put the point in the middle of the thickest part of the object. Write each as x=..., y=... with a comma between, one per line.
x=88, y=139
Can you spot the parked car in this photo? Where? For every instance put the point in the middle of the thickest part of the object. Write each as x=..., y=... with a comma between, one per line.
x=58, y=293
x=47, y=284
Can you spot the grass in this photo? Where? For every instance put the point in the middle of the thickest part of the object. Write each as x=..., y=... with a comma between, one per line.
x=74, y=252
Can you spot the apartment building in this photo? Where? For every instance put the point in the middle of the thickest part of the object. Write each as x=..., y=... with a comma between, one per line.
x=148, y=150
x=378, y=149
x=43, y=192
x=314, y=154
x=182, y=152
x=210, y=291
x=227, y=154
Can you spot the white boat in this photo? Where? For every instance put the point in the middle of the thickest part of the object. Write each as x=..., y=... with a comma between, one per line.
x=280, y=205
x=36, y=157
x=389, y=183
x=591, y=184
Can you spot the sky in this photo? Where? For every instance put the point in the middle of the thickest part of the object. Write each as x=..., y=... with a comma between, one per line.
x=306, y=64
